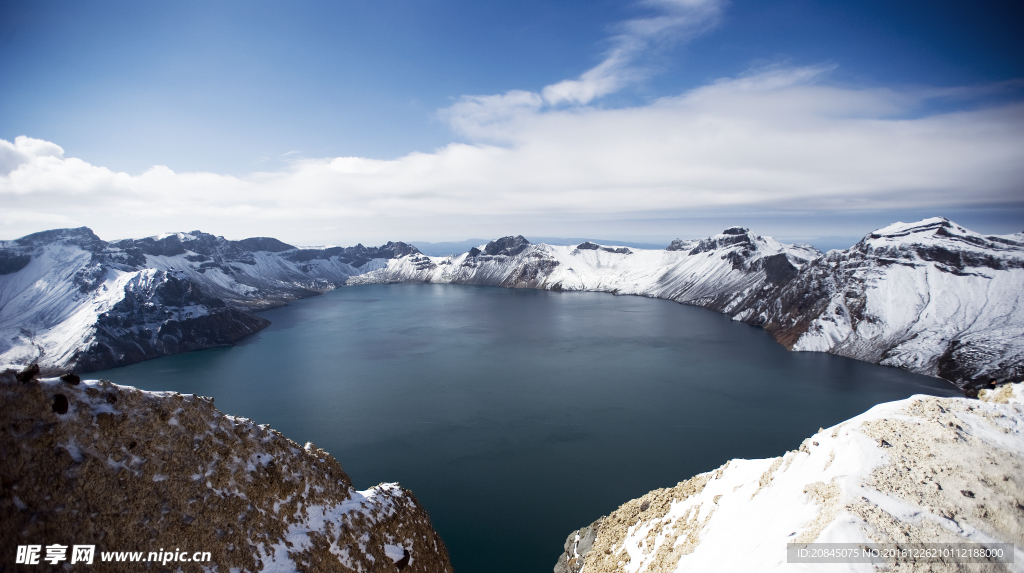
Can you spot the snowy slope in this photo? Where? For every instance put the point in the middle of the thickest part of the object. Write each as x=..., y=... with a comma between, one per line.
x=717, y=272
x=920, y=470
x=70, y=301
x=930, y=297
x=128, y=470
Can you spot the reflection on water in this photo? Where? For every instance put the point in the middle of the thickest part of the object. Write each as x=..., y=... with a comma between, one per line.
x=517, y=416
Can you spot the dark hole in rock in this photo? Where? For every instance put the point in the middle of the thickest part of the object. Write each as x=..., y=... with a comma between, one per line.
x=71, y=378
x=967, y=493
x=131, y=446
x=111, y=398
x=60, y=404
x=404, y=561
x=28, y=374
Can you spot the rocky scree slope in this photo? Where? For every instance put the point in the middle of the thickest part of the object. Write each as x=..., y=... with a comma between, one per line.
x=71, y=301
x=931, y=297
x=919, y=470
x=126, y=470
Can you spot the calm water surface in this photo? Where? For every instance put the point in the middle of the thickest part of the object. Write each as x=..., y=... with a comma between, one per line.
x=517, y=416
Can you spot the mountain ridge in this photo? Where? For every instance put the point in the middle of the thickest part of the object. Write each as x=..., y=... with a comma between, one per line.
x=931, y=296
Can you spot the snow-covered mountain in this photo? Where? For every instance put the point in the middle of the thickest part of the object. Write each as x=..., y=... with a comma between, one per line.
x=719, y=272
x=919, y=470
x=930, y=297
x=69, y=300
x=135, y=472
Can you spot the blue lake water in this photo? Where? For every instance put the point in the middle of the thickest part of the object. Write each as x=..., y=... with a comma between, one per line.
x=517, y=416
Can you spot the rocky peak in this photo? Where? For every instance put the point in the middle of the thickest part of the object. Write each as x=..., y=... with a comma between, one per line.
x=268, y=244
x=168, y=246
x=588, y=246
x=81, y=236
x=508, y=246
x=393, y=250
x=681, y=245
x=730, y=237
x=939, y=240
x=736, y=231
x=356, y=256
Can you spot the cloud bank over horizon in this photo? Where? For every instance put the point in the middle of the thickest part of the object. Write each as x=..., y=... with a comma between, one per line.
x=776, y=139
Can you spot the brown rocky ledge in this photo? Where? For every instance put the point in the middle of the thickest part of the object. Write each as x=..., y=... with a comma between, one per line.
x=94, y=463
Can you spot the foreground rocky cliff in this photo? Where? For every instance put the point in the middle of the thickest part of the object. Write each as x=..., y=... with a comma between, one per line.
x=94, y=463
x=920, y=470
x=931, y=297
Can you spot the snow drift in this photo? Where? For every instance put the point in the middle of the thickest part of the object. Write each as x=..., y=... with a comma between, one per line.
x=919, y=470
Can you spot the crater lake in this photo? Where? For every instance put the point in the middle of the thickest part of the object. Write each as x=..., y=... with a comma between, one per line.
x=517, y=416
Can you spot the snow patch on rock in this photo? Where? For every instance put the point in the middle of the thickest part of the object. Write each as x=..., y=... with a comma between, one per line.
x=920, y=470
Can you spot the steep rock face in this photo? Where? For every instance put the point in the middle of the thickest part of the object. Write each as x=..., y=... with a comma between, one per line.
x=920, y=470
x=69, y=300
x=162, y=314
x=930, y=297
x=125, y=470
x=259, y=272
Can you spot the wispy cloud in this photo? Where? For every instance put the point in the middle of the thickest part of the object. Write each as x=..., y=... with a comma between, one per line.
x=673, y=21
x=670, y=21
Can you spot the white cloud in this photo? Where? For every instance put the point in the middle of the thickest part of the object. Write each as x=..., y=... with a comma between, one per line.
x=14, y=154
x=675, y=20
x=775, y=139
x=479, y=116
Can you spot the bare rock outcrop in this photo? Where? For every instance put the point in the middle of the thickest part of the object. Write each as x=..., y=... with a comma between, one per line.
x=94, y=463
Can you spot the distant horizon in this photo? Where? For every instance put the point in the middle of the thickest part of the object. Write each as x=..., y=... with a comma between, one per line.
x=439, y=248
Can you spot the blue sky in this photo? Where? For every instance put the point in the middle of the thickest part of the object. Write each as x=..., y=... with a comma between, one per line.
x=462, y=119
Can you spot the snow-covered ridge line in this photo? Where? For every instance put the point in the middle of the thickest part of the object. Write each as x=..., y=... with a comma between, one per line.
x=920, y=470
x=931, y=297
x=168, y=470
x=71, y=301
